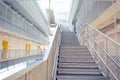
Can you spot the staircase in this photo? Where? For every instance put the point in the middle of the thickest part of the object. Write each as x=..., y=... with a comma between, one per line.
x=75, y=62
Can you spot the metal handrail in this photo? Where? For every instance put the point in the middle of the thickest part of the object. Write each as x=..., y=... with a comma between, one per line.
x=56, y=57
x=107, y=38
x=104, y=62
x=104, y=35
x=100, y=33
x=105, y=51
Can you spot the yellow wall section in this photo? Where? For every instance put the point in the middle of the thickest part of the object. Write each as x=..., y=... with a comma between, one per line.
x=16, y=47
x=5, y=49
x=28, y=46
x=5, y=44
x=38, y=47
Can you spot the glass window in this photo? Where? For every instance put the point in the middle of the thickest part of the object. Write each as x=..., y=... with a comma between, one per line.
x=9, y=14
x=2, y=10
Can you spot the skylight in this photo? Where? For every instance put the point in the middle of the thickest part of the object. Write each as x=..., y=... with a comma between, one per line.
x=60, y=8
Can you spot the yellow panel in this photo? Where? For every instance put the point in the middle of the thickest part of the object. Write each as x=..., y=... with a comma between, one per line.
x=5, y=48
x=38, y=47
x=28, y=46
x=5, y=45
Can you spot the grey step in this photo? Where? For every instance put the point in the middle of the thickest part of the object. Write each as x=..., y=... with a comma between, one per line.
x=75, y=60
x=71, y=41
x=79, y=71
x=76, y=56
x=77, y=65
x=68, y=40
x=74, y=53
x=73, y=49
x=70, y=44
x=69, y=47
x=67, y=50
x=80, y=77
x=82, y=51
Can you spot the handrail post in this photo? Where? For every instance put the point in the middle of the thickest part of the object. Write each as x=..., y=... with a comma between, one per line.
x=106, y=57
x=107, y=69
x=86, y=30
x=94, y=43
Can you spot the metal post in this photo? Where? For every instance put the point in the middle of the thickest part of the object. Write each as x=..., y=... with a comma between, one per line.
x=94, y=42
x=86, y=30
x=106, y=43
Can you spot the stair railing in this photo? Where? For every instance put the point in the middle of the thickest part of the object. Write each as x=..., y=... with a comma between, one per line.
x=54, y=69
x=104, y=49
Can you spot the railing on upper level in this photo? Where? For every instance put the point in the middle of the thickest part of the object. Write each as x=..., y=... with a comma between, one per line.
x=45, y=68
x=105, y=50
x=13, y=57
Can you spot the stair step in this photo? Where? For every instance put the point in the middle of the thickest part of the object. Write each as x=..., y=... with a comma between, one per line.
x=73, y=48
x=72, y=45
x=80, y=77
x=77, y=65
x=69, y=47
x=76, y=50
x=79, y=71
x=74, y=53
x=75, y=60
x=76, y=56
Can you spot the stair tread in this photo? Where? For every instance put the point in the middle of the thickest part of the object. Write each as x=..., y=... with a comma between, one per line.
x=78, y=69
x=82, y=48
x=75, y=59
x=82, y=54
x=74, y=53
x=73, y=49
x=74, y=63
x=79, y=76
x=77, y=65
x=77, y=47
